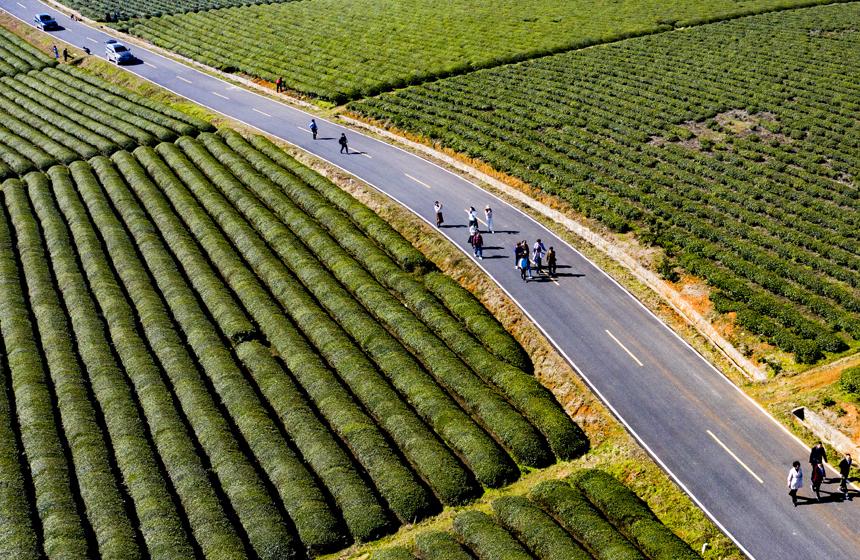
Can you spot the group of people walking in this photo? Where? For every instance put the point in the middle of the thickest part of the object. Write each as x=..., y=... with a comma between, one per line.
x=527, y=260
x=817, y=459
x=476, y=240
x=342, y=141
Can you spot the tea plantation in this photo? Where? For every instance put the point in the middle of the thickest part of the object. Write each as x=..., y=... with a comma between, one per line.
x=591, y=516
x=734, y=146
x=117, y=10
x=344, y=50
x=209, y=350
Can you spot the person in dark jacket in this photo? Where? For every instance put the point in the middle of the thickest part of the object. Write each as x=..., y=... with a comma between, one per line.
x=845, y=471
x=550, y=262
x=314, y=128
x=817, y=455
x=344, y=146
x=65, y=54
x=817, y=477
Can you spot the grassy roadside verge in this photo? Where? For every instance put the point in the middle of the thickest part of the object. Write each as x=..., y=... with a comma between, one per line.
x=613, y=448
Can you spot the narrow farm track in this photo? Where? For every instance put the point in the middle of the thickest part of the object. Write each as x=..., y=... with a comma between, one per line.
x=718, y=444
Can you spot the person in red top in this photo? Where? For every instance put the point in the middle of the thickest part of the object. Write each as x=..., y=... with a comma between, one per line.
x=478, y=245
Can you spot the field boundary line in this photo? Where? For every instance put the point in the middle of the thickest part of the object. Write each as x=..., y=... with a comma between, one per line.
x=650, y=279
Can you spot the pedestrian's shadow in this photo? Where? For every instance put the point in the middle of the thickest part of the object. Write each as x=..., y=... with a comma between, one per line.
x=451, y=226
x=494, y=257
x=325, y=138
x=827, y=497
x=509, y=231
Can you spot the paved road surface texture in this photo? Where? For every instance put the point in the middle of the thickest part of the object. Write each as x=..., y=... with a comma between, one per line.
x=729, y=455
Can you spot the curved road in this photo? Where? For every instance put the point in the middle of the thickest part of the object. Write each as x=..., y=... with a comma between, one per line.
x=721, y=447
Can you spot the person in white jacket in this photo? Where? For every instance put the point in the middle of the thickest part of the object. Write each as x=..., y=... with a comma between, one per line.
x=795, y=481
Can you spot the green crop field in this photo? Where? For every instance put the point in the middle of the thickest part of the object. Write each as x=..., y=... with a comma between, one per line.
x=344, y=50
x=61, y=114
x=593, y=516
x=108, y=10
x=209, y=350
x=19, y=56
x=733, y=146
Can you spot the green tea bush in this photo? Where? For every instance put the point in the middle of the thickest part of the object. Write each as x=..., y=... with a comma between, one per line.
x=577, y=516
x=537, y=530
x=849, y=380
x=439, y=546
x=135, y=455
x=631, y=516
x=486, y=539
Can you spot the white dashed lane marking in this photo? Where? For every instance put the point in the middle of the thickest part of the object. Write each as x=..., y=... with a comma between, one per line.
x=419, y=181
x=735, y=457
x=629, y=353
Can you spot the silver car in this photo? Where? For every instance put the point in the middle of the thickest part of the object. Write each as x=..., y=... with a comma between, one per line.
x=118, y=53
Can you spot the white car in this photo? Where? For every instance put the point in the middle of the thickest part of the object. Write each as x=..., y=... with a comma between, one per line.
x=117, y=52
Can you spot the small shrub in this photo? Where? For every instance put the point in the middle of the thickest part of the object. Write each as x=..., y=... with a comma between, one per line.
x=849, y=380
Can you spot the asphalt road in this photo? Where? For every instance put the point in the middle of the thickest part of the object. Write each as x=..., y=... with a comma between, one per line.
x=723, y=449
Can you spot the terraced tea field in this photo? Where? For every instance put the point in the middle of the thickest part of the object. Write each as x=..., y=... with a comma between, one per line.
x=61, y=114
x=126, y=9
x=735, y=147
x=345, y=50
x=215, y=294
x=210, y=350
x=591, y=516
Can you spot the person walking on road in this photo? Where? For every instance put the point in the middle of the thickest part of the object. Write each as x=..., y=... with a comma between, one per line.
x=817, y=455
x=344, y=146
x=525, y=269
x=844, y=471
x=488, y=212
x=522, y=250
x=538, y=252
x=478, y=245
x=550, y=262
x=437, y=207
x=817, y=477
x=56, y=52
x=473, y=216
x=314, y=128
x=795, y=481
